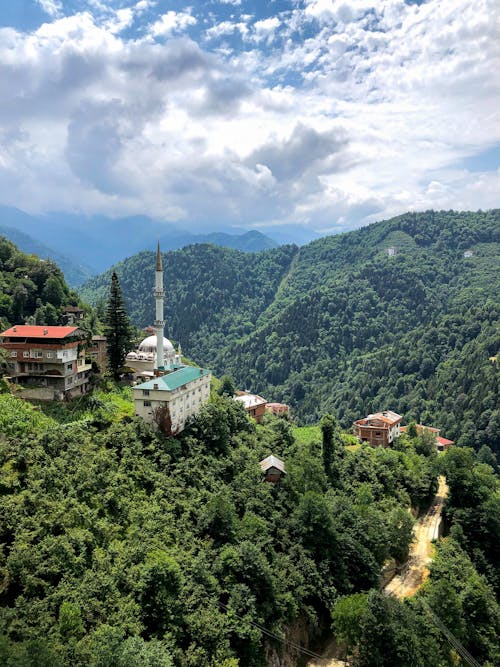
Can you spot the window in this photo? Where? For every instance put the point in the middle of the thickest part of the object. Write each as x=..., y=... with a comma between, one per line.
x=145, y=392
x=13, y=353
x=377, y=434
x=69, y=366
x=26, y=354
x=49, y=355
x=38, y=354
x=147, y=404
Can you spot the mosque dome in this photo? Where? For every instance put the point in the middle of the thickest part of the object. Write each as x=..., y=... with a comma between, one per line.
x=149, y=345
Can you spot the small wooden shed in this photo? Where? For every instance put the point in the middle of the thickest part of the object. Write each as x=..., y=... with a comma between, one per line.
x=273, y=468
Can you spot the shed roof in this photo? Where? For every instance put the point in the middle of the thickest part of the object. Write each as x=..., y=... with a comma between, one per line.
x=174, y=380
x=272, y=462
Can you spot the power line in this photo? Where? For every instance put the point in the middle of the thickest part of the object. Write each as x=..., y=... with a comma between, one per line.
x=464, y=653
x=273, y=635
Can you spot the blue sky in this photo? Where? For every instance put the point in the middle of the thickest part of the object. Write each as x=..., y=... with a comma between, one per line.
x=323, y=113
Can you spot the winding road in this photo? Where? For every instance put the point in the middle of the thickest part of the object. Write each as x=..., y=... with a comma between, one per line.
x=414, y=572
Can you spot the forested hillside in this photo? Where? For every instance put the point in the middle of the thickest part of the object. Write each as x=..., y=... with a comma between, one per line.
x=31, y=289
x=74, y=273
x=342, y=325
x=122, y=548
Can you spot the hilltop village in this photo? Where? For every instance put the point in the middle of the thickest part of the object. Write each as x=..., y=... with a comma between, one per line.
x=54, y=363
x=120, y=546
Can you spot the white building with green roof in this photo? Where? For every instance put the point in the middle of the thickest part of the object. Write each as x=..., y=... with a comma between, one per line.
x=183, y=391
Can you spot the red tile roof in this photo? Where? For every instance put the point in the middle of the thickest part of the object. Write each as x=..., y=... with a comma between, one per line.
x=29, y=331
x=444, y=441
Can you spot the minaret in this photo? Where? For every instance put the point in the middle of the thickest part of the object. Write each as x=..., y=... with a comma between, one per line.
x=159, y=322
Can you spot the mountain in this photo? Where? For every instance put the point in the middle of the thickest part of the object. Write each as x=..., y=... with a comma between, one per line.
x=75, y=273
x=99, y=241
x=392, y=315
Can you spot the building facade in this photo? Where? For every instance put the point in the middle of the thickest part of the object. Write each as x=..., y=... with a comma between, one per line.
x=182, y=392
x=49, y=362
x=379, y=429
x=98, y=352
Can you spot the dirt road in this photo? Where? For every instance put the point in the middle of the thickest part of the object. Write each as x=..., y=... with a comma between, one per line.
x=329, y=659
x=416, y=571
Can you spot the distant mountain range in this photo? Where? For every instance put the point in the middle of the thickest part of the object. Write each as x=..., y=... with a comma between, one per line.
x=99, y=242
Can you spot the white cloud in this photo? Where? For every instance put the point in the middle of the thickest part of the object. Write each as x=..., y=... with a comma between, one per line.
x=51, y=7
x=366, y=117
x=266, y=26
x=226, y=28
x=172, y=22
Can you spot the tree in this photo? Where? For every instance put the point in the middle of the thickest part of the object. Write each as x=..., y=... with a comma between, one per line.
x=332, y=444
x=412, y=430
x=162, y=418
x=328, y=425
x=53, y=291
x=347, y=615
x=227, y=387
x=117, y=329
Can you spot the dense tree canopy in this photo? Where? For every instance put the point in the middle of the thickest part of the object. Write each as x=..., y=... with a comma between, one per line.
x=118, y=542
x=342, y=326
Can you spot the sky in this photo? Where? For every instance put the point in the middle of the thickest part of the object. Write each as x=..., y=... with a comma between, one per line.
x=328, y=114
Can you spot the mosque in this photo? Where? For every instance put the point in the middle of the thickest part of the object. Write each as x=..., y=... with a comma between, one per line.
x=172, y=392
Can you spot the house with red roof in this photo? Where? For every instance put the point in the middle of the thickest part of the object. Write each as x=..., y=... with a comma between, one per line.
x=49, y=362
x=442, y=444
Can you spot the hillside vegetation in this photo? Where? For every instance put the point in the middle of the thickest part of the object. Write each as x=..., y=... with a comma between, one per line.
x=340, y=325
x=31, y=289
x=122, y=548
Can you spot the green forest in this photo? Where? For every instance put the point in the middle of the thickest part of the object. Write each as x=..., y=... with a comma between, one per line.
x=340, y=325
x=121, y=547
x=33, y=290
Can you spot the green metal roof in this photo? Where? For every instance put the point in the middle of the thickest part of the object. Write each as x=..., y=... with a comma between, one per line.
x=174, y=380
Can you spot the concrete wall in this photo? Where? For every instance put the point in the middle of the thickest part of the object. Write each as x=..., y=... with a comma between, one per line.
x=182, y=403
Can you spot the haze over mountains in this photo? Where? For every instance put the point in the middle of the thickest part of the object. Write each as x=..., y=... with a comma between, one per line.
x=86, y=245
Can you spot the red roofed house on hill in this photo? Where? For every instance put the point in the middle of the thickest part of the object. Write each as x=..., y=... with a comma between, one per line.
x=48, y=361
x=441, y=443
x=379, y=429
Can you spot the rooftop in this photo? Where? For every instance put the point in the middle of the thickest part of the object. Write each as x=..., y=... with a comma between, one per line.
x=250, y=400
x=272, y=462
x=387, y=417
x=31, y=331
x=174, y=380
